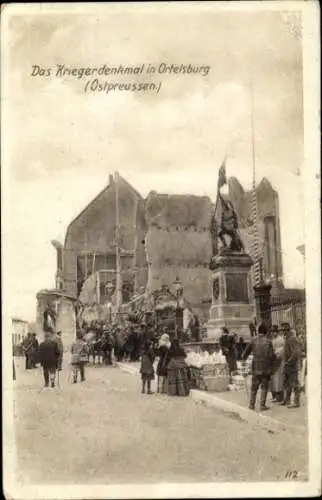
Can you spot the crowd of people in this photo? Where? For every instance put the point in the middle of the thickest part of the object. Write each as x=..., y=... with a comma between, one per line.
x=140, y=342
x=278, y=358
x=126, y=341
x=132, y=342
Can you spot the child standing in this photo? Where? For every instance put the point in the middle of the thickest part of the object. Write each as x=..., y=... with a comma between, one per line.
x=147, y=370
x=163, y=353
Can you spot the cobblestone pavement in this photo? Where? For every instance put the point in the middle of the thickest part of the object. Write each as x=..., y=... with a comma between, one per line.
x=105, y=431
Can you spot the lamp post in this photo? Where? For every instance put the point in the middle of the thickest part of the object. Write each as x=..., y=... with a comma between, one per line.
x=109, y=288
x=177, y=285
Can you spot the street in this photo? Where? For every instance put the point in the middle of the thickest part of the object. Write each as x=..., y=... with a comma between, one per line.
x=105, y=431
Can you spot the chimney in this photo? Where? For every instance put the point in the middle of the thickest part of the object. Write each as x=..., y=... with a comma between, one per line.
x=111, y=180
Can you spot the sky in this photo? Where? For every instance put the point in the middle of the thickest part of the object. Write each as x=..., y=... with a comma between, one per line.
x=62, y=142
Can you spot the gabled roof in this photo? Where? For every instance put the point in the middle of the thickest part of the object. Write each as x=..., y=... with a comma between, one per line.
x=84, y=210
x=108, y=187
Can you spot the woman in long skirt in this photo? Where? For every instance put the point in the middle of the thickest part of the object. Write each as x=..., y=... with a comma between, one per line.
x=177, y=382
x=147, y=370
x=162, y=367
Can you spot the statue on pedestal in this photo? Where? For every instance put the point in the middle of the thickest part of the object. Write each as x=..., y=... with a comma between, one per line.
x=228, y=224
x=50, y=316
x=232, y=305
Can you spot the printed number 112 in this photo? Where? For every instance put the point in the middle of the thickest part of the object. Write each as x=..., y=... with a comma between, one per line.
x=291, y=474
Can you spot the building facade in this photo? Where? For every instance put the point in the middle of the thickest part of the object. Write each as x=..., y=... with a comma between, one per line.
x=178, y=244
x=161, y=237
x=90, y=241
x=19, y=331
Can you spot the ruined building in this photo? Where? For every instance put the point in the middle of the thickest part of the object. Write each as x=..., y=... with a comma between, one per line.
x=161, y=237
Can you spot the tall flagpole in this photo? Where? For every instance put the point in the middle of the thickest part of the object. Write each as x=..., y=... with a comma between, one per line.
x=255, y=242
x=86, y=257
x=118, y=290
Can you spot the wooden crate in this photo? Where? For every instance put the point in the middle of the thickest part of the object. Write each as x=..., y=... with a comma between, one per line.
x=216, y=384
x=209, y=377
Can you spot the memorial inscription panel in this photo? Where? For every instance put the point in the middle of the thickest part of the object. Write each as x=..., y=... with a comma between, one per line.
x=237, y=287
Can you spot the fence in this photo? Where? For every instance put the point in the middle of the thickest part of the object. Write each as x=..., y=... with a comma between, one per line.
x=292, y=311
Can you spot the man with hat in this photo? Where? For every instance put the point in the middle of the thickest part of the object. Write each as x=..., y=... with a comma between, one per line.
x=262, y=366
x=292, y=358
x=48, y=357
x=227, y=343
x=61, y=350
x=28, y=348
x=274, y=331
x=34, y=351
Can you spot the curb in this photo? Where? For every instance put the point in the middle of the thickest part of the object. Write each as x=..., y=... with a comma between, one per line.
x=231, y=409
x=266, y=422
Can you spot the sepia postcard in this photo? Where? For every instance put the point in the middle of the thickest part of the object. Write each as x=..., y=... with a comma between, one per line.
x=161, y=305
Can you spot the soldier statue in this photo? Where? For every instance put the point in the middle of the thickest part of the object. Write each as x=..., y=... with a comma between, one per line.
x=49, y=323
x=228, y=224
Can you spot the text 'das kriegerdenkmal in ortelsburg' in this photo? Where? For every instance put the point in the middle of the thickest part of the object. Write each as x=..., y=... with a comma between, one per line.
x=133, y=78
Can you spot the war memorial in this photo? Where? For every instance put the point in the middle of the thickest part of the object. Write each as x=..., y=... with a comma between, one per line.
x=173, y=258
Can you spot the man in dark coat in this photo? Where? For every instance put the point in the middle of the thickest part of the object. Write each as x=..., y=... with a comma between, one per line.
x=48, y=356
x=107, y=345
x=196, y=333
x=136, y=345
x=262, y=366
x=129, y=345
x=292, y=358
x=241, y=346
x=34, y=351
x=28, y=348
x=60, y=344
x=228, y=348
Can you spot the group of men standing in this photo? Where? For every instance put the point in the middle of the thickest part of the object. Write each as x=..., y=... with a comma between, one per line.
x=49, y=354
x=278, y=364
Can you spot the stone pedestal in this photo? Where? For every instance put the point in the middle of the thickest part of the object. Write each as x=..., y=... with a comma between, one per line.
x=65, y=314
x=232, y=296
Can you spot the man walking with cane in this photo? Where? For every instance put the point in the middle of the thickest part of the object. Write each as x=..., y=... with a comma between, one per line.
x=48, y=358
